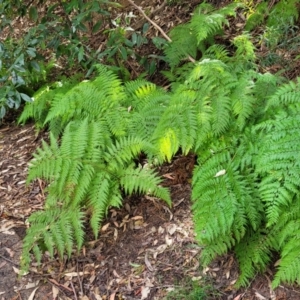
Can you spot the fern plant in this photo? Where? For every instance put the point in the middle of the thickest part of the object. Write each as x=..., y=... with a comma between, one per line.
x=195, y=36
x=246, y=184
x=93, y=166
x=242, y=125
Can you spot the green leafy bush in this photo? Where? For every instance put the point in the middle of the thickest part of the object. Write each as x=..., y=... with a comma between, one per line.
x=57, y=32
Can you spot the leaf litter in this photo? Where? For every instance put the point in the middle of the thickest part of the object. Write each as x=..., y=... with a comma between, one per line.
x=144, y=250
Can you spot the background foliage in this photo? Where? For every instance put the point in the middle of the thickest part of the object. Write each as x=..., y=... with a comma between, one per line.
x=60, y=35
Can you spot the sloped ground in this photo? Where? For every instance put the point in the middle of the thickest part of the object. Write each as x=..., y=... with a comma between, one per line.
x=145, y=249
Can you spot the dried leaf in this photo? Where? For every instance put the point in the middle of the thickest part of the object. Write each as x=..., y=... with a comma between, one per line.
x=112, y=296
x=220, y=173
x=171, y=229
x=115, y=234
x=55, y=291
x=31, y=285
x=104, y=227
x=31, y=297
x=116, y=274
x=145, y=292
x=227, y=274
x=137, y=218
x=19, y=272
x=259, y=296
x=238, y=297
x=160, y=230
x=75, y=274
x=148, y=264
x=168, y=240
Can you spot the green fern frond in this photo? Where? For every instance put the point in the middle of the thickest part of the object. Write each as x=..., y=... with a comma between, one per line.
x=108, y=82
x=208, y=24
x=219, y=247
x=218, y=52
x=245, y=49
x=289, y=266
x=218, y=187
x=215, y=84
x=39, y=108
x=188, y=39
x=177, y=126
x=98, y=200
x=284, y=238
x=45, y=163
x=288, y=93
x=284, y=11
x=144, y=118
x=213, y=24
x=88, y=170
x=278, y=162
x=253, y=254
x=144, y=181
x=93, y=99
x=242, y=99
x=53, y=229
x=184, y=44
x=123, y=152
x=139, y=88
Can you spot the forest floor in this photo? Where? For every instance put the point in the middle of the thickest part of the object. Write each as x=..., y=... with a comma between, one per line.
x=145, y=249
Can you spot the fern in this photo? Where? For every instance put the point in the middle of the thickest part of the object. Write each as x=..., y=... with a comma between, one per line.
x=85, y=173
x=242, y=125
x=189, y=38
x=285, y=238
x=43, y=98
x=256, y=15
x=284, y=12
x=93, y=164
x=254, y=255
x=251, y=199
x=279, y=163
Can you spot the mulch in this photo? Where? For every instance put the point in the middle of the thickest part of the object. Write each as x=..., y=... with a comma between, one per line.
x=145, y=249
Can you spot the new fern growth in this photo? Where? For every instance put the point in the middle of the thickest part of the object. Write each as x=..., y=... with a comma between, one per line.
x=195, y=36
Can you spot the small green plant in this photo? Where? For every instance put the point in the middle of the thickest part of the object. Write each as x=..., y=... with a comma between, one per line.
x=194, y=37
x=190, y=290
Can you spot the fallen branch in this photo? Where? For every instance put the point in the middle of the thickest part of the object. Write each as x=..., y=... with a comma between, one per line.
x=150, y=21
x=156, y=26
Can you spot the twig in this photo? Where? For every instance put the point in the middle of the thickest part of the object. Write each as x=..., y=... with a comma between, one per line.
x=10, y=261
x=152, y=13
x=156, y=26
x=74, y=292
x=149, y=20
x=80, y=283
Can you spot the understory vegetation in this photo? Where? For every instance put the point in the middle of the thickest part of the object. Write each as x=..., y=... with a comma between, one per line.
x=240, y=122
